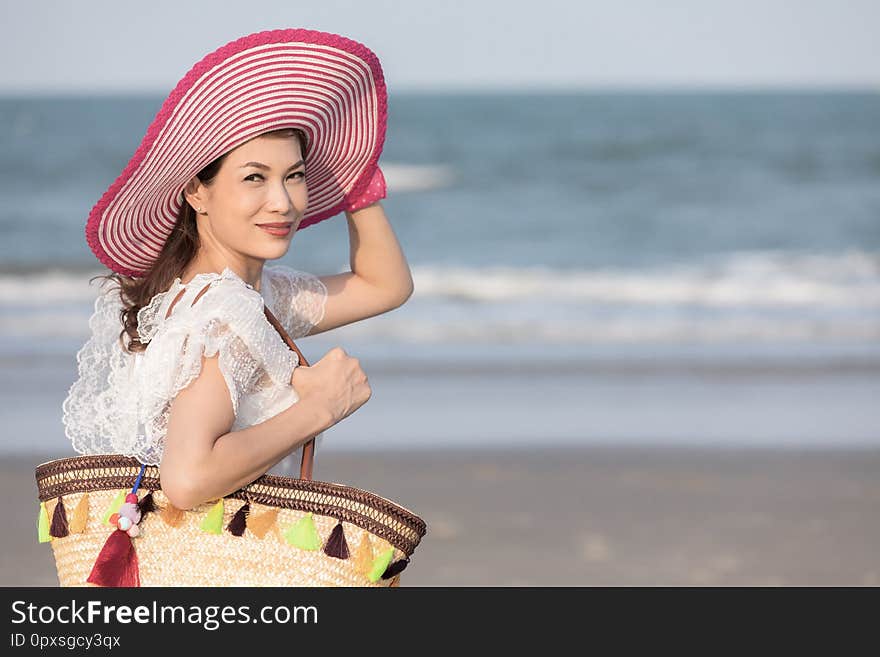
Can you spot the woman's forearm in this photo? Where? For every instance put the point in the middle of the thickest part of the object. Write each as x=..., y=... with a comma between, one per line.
x=375, y=252
x=239, y=457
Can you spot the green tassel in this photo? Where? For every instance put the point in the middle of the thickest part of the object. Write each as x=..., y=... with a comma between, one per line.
x=43, y=524
x=114, y=506
x=213, y=522
x=303, y=534
x=380, y=564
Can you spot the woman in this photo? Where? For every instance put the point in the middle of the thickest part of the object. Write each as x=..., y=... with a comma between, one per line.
x=267, y=135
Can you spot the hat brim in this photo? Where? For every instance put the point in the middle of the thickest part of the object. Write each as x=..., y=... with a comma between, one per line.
x=329, y=86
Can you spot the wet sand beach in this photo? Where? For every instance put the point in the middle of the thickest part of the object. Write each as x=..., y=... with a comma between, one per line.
x=633, y=516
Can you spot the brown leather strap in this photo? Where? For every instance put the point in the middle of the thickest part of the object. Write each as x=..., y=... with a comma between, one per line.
x=308, y=453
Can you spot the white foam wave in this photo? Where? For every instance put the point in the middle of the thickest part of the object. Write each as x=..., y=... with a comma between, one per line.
x=754, y=296
x=49, y=287
x=746, y=279
x=416, y=178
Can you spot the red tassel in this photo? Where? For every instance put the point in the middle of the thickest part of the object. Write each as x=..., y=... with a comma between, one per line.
x=147, y=505
x=59, y=528
x=395, y=568
x=336, y=545
x=239, y=521
x=117, y=563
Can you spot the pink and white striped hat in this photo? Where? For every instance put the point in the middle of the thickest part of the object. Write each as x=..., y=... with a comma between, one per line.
x=329, y=86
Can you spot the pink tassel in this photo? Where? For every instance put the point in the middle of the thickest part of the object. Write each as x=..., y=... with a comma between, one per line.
x=117, y=563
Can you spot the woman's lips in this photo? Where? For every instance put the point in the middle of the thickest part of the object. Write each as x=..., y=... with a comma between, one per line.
x=278, y=229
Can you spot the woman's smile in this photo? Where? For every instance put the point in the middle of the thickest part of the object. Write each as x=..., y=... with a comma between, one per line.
x=280, y=229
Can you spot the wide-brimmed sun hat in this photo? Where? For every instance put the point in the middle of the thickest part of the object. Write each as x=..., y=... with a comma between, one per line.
x=329, y=86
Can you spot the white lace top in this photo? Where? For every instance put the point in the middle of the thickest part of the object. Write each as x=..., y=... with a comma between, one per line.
x=121, y=401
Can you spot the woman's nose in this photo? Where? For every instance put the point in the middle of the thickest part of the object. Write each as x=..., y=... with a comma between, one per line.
x=280, y=200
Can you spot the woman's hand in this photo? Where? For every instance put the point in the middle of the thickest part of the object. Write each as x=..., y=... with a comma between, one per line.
x=336, y=383
x=376, y=189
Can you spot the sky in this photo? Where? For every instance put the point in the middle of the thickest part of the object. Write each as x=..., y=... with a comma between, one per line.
x=98, y=46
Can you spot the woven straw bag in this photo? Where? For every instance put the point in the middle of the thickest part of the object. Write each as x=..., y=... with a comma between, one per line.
x=276, y=531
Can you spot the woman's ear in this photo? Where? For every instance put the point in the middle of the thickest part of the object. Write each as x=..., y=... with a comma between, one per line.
x=193, y=192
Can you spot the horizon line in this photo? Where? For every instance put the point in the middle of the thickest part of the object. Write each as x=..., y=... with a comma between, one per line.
x=483, y=89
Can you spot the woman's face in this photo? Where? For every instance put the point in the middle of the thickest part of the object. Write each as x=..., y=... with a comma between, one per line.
x=260, y=182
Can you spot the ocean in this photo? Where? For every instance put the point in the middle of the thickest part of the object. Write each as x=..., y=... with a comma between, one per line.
x=620, y=268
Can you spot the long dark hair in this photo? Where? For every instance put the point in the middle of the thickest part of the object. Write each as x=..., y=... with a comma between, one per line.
x=179, y=250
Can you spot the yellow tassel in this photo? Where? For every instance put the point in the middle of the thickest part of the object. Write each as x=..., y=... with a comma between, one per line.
x=213, y=522
x=303, y=534
x=380, y=564
x=43, y=524
x=260, y=524
x=172, y=515
x=363, y=559
x=80, y=515
x=114, y=506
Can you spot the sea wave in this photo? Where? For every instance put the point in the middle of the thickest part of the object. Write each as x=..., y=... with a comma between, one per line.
x=748, y=278
x=415, y=177
x=755, y=296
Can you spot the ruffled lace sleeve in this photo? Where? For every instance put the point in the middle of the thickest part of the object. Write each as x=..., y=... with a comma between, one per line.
x=121, y=402
x=298, y=297
x=97, y=419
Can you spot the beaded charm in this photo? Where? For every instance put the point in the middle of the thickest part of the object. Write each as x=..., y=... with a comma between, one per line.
x=128, y=517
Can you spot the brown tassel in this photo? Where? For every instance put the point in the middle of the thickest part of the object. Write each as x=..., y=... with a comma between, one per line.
x=59, y=528
x=238, y=523
x=80, y=515
x=147, y=505
x=261, y=524
x=395, y=568
x=336, y=545
x=172, y=515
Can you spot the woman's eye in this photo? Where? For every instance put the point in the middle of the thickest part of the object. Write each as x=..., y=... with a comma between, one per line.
x=295, y=173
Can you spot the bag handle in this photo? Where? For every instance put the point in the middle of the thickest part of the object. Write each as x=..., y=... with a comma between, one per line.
x=308, y=453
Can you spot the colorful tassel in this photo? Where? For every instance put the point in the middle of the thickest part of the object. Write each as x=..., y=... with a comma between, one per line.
x=114, y=506
x=59, y=528
x=80, y=515
x=213, y=522
x=117, y=563
x=172, y=515
x=395, y=568
x=363, y=558
x=43, y=524
x=262, y=523
x=238, y=523
x=380, y=564
x=336, y=545
x=147, y=505
x=303, y=534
